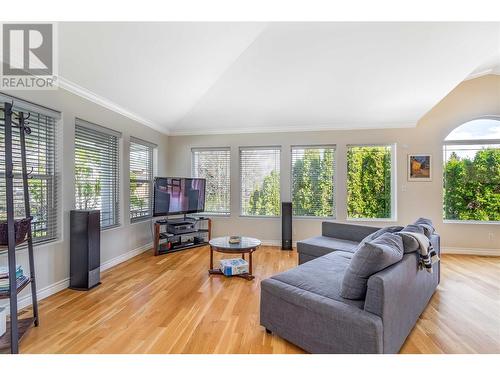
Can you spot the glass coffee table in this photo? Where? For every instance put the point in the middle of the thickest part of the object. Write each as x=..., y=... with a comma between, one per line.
x=247, y=245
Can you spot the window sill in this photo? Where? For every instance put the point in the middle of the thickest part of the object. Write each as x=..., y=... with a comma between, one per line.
x=473, y=222
x=259, y=217
x=313, y=217
x=141, y=220
x=111, y=228
x=212, y=215
x=375, y=220
x=42, y=245
x=58, y=241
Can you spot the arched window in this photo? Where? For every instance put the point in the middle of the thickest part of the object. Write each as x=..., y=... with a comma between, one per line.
x=472, y=171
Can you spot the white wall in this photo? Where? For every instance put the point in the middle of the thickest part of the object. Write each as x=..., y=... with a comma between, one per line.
x=52, y=259
x=469, y=100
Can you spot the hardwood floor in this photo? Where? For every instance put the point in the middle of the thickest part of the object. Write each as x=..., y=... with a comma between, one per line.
x=169, y=304
x=463, y=316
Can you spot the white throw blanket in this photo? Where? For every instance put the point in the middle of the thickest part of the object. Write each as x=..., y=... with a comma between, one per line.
x=428, y=255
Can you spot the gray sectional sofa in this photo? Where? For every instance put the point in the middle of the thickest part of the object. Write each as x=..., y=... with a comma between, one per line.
x=304, y=305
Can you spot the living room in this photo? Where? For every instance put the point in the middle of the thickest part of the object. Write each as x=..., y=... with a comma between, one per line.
x=274, y=188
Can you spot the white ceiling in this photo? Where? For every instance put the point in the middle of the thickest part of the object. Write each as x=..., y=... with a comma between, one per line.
x=201, y=78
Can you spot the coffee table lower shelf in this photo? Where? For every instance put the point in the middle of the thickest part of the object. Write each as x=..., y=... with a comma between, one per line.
x=245, y=276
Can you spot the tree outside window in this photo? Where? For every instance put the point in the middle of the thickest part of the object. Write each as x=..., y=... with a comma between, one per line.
x=369, y=185
x=471, y=172
x=87, y=180
x=97, y=171
x=260, y=181
x=141, y=179
x=40, y=163
x=213, y=164
x=313, y=181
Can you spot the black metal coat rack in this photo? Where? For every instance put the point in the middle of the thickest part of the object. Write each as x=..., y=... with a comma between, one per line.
x=17, y=327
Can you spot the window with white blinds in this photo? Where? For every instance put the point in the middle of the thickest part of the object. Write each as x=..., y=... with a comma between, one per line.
x=141, y=179
x=97, y=171
x=260, y=181
x=214, y=165
x=41, y=165
x=313, y=186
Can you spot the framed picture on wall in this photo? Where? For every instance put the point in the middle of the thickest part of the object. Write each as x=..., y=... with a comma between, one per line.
x=419, y=167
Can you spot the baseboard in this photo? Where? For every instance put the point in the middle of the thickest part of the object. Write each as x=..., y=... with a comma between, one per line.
x=271, y=242
x=49, y=290
x=276, y=243
x=444, y=250
x=43, y=293
x=124, y=257
x=470, y=251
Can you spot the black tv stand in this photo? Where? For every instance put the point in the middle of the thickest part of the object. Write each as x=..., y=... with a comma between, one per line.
x=165, y=242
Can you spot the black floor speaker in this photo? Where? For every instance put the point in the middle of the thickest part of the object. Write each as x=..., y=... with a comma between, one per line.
x=286, y=225
x=85, y=249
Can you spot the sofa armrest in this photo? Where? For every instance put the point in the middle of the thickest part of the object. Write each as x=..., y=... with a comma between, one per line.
x=350, y=232
x=399, y=294
x=318, y=324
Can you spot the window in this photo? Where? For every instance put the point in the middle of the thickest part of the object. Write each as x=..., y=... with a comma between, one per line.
x=96, y=171
x=141, y=179
x=471, y=169
x=370, y=182
x=41, y=164
x=260, y=181
x=313, y=189
x=213, y=164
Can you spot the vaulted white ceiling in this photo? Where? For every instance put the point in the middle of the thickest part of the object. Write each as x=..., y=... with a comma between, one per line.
x=200, y=78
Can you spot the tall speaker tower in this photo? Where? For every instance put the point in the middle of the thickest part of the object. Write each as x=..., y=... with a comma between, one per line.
x=85, y=249
x=286, y=225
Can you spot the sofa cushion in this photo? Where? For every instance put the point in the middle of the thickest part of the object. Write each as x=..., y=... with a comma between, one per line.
x=344, y=254
x=370, y=258
x=322, y=276
x=348, y=232
x=378, y=233
x=321, y=245
x=410, y=244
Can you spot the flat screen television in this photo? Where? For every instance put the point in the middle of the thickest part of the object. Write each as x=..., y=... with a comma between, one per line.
x=178, y=195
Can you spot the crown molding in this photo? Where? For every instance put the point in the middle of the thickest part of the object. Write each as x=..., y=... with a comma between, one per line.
x=292, y=128
x=72, y=87
x=492, y=71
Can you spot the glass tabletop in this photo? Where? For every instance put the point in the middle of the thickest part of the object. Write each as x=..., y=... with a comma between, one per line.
x=244, y=244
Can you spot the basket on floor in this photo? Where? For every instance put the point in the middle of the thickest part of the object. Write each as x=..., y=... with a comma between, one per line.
x=21, y=227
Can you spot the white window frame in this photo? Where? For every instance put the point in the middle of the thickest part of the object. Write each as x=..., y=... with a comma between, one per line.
x=151, y=148
x=468, y=142
x=275, y=147
x=117, y=196
x=334, y=208
x=394, y=198
x=55, y=197
x=201, y=149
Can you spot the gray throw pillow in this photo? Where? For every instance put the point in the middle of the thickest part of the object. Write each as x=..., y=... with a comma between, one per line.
x=370, y=258
x=410, y=244
x=378, y=233
x=426, y=224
